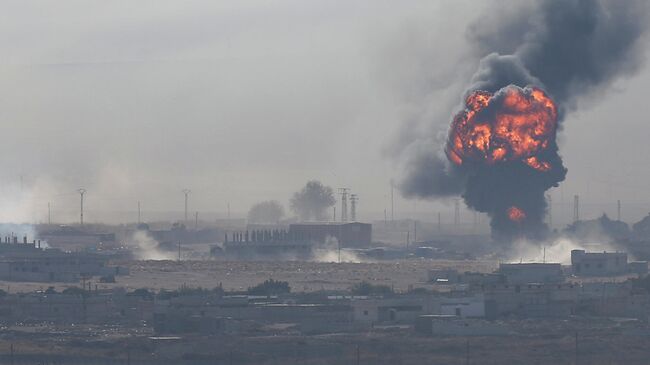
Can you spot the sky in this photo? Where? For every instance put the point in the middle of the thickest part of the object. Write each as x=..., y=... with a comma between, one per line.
x=244, y=101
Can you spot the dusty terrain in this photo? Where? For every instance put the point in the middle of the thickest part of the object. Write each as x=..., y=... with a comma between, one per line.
x=302, y=276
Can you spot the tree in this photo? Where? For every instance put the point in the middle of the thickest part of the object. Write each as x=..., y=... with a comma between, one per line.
x=269, y=211
x=365, y=288
x=270, y=287
x=312, y=201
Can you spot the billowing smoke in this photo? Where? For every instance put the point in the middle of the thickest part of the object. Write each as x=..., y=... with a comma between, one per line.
x=329, y=252
x=146, y=247
x=501, y=154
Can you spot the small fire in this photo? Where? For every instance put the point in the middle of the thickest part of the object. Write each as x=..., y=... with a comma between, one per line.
x=513, y=125
x=515, y=214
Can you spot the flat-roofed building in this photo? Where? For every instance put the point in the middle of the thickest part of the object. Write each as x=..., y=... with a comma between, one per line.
x=598, y=263
x=532, y=273
x=348, y=234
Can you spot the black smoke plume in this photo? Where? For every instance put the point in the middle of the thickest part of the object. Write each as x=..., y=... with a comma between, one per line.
x=568, y=48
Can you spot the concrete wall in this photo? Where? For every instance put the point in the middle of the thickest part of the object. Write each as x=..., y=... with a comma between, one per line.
x=464, y=307
x=532, y=273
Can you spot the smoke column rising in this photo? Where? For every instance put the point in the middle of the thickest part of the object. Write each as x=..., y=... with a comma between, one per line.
x=565, y=50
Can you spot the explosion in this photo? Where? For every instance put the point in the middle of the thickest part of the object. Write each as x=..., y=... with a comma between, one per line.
x=515, y=127
x=501, y=153
x=516, y=215
x=504, y=143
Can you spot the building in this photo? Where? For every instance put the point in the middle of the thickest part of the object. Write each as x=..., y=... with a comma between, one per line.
x=463, y=306
x=531, y=273
x=404, y=309
x=264, y=250
x=179, y=233
x=598, y=263
x=530, y=300
x=352, y=234
x=263, y=245
x=28, y=262
x=73, y=239
x=91, y=306
x=446, y=325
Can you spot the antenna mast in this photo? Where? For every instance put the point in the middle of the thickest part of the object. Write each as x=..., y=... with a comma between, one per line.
x=82, y=191
x=187, y=193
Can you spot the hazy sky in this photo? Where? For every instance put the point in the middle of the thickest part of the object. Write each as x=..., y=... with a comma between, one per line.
x=243, y=101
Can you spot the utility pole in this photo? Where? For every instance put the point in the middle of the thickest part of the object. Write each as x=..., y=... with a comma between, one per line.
x=196, y=220
x=82, y=191
x=228, y=210
x=576, y=208
x=179, y=251
x=415, y=231
x=339, y=249
x=334, y=220
x=439, y=224
x=354, y=198
x=187, y=193
x=139, y=213
x=49, y=214
x=618, y=210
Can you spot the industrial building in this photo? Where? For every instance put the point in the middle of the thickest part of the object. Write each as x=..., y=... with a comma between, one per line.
x=71, y=238
x=348, y=234
x=298, y=242
x=29, y=262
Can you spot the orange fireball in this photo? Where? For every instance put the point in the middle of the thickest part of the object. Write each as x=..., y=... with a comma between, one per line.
x=514, y=124
x=515, y=214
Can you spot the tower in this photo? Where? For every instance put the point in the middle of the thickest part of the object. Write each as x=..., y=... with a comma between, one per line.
x=344, y=203
x=187, y=193
x=353, y=207
x=81, y=191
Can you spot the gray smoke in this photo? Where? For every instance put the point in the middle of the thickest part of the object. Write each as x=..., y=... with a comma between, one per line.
x=571, y=48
